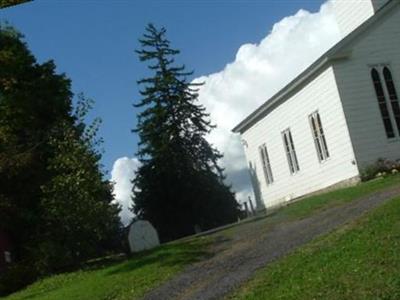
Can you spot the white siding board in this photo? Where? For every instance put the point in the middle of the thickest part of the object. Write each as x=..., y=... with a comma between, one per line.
x=320, y=94
x=352, y=13
x=380, y=44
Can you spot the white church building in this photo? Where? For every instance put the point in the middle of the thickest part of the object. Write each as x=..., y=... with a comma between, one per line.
x=337, y=117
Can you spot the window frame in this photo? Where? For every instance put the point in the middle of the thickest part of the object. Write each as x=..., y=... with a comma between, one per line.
x=290, y=151
x=386, y=105
x=266, y=164
x=392, y=96
x=318, y=135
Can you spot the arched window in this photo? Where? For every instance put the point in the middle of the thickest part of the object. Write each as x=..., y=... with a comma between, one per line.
x=394, y=101
x=380, y=94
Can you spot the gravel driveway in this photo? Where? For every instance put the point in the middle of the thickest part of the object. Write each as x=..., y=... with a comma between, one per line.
x=254, y=245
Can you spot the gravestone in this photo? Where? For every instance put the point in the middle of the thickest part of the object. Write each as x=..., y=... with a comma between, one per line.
x=142, y=236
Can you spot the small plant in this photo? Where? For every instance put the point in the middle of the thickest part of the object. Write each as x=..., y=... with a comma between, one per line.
x=381, y=168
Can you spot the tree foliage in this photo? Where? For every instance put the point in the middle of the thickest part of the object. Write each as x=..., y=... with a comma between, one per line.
x=179, y=184
x=76, y=201
x=6, y=3
x=54, y=202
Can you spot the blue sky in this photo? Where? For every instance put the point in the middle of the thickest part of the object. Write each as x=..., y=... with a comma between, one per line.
x=93, y=42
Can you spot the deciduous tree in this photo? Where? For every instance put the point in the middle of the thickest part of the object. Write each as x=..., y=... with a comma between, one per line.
x=54, y=202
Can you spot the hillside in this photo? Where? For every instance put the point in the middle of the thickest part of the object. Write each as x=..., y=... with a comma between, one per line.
x=361, y=260
x=228, y=254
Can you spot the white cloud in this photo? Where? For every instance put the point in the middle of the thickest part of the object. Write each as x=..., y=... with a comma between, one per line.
x=122, y=173
x=258, y=71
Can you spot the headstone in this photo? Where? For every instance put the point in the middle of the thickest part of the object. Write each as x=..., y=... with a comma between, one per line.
x=142, y=236
x=7, y=257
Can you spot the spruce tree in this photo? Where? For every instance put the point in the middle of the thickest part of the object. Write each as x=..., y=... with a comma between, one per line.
x=179, y=184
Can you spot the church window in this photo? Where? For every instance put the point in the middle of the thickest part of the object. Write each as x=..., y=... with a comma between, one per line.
x=290, y=151
x=319, y=137
x=380, y=94
x=394, y=101
x=266, y=164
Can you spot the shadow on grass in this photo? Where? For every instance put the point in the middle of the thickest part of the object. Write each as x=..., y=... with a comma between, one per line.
x=178, y=254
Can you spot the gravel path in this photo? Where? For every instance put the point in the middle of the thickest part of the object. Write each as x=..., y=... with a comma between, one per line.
x=254, y=245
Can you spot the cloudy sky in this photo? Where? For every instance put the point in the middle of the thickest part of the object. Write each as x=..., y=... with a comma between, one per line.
x=258, y=71
x=243, y=51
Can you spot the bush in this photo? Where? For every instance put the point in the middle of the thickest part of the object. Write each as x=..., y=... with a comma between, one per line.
x=380, y=168
x=16, y=277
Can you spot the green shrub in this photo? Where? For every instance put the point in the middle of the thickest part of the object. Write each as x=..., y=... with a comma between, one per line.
x=380, y=168
x=15, y=277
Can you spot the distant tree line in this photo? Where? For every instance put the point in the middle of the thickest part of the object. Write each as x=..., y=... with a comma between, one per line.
x=54, y=202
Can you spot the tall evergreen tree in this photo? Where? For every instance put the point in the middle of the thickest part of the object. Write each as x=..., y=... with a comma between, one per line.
x=179, y=184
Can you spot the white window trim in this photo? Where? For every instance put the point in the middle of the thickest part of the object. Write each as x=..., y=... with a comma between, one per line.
x=318, y=135
x=266, y=164
x=290, y=151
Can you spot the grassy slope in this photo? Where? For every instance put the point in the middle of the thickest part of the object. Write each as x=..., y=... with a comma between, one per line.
x=126, y=280
x=359, y=261
x=310, y=205
x=132, y=278
x=305, y=207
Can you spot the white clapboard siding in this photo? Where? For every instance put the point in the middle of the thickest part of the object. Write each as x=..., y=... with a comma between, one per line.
x=320, y=94
x=379, y=45
x=352, y=13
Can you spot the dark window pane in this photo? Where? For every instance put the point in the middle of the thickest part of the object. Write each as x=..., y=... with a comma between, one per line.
x=319, y=124
x=319, y=150
x=389, y=128
x=296, y=163
x=288, y=151
x=387, y=74
x=384, y=110
x=392, y=95
x=266, y=164
x=378, y=85
x=322, y=137
x=325, y=146
x=396, y=109
x=286, y=143
x=382, y=103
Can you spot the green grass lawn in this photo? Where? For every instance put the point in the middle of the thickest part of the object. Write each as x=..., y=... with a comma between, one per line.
x=305, y=207
x=131, y=278
x=127, y=280
x=358, y=261
x=310, y=205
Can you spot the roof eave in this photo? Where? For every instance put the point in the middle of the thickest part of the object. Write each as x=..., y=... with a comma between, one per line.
x=333, y=54
x=320, y=63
